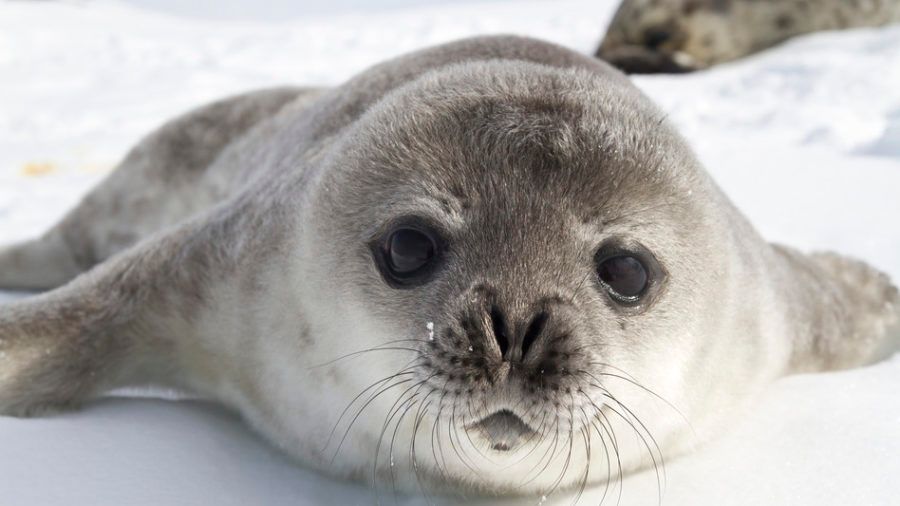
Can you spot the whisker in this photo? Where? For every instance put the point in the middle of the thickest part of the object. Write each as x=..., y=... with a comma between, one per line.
x=538, y=433
x=551, y=450
x=402, y=372
x=641, y=423
x=630, y=379
x=369, y=350
x=436, y=436
x=469, y=437
x=579, y=287
x=653, y=457
x=434, y=447
x=615, y=446
x=392, y=412
x=411, y=403
x=451, y=422
x=414, y=463
x=415, y=394
x=358, y=413
x=590, y=421
x=565, y=468
x=607, y=427
x=582, y=483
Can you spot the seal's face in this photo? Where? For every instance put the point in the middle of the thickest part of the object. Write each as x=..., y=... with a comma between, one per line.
x=526, y=249
x=648, y=36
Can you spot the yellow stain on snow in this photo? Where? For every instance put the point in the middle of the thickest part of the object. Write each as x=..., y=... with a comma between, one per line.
x=36, y=169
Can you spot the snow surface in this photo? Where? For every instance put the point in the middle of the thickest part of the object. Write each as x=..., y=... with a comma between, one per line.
x=804, y=138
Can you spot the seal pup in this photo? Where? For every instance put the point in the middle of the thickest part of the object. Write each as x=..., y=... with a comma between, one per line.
x=672, y=36
x=486, y=266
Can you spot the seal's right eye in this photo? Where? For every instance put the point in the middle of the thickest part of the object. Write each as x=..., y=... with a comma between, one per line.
x=625, y=277
x=407, y=256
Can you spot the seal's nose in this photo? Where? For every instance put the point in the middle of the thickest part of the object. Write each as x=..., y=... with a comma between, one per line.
x=516, y=331
x=504, y=430
x=641, y=60
x=514, y=346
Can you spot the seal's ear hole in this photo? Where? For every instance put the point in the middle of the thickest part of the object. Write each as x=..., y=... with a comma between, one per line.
x=844, y=311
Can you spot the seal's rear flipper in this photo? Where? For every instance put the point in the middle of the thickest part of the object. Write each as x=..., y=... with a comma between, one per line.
x=845, y=312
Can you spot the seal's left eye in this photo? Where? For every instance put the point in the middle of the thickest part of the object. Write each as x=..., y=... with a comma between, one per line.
x=629, y=273
x=408, y=256
x=409, y=250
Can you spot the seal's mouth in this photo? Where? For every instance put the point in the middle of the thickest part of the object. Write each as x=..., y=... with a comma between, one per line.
x=504, y=430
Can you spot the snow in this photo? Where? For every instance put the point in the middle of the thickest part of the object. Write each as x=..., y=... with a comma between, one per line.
x=804, y=138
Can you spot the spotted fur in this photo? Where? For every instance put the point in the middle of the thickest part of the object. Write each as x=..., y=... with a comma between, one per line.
x=648, y=36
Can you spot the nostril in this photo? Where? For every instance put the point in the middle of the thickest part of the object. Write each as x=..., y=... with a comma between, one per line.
x=499, y=328
x=534, y=331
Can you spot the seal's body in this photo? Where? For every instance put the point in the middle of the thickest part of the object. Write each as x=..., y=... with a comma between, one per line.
x=488, y=265
x=647, y=36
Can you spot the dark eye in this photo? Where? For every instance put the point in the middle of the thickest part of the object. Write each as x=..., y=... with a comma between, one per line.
x=624, y=276
x=408, y=251
x=656, y=37
x=407, y=256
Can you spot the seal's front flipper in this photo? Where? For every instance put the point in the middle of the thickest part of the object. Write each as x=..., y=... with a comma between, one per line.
x=123, y=323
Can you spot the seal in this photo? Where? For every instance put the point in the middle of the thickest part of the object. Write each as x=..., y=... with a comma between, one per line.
x=671, y=36
x=487, y=266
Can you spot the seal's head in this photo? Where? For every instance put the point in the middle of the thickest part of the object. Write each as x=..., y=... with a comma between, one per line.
x=534, y=264
x=649, y=36
x=670, y=36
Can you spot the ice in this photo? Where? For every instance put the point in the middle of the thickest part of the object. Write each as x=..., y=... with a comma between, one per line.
x=804, y=138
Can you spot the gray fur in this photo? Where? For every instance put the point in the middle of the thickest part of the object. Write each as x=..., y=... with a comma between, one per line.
x=178, y=173
x=237, y=265
x=647, y=36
